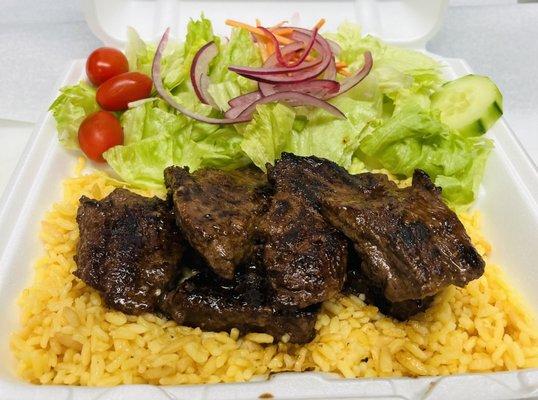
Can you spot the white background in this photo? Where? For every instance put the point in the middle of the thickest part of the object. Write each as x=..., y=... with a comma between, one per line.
x=498, y=38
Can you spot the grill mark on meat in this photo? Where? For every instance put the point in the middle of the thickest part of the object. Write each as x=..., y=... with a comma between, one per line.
x=246, y=303
x=357, y=283
x=304, y=256
x=411, y=243
x=217, y=212
x=129, y=249
x=266, y=254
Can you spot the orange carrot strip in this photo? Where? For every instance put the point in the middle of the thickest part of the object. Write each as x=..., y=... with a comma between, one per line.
x=282, y=31
x=320, y=23
x=237, y=24
x=344, y=72
x=341, y=64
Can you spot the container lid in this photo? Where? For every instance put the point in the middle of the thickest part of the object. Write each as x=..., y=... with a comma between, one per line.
x=409, y=23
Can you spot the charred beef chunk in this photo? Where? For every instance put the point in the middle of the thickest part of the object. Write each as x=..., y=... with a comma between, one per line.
x=357, y=284
x=411, y=244
x=207, y=301
x=304, y=256
x=129, y=249
x=217, y=212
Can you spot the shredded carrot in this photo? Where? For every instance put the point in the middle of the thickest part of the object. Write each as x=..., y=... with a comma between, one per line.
x=320, y=23
x=265, y=44
x=270, y=47
x=343, y=71
x=340, y=64
x=253, y=29
x=282, y=31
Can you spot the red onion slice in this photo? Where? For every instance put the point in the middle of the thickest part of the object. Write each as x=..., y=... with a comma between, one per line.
x=291, y=75
x=348, y=83
x=273, y=70
x=280, y=57
x=317, y=87
x=200, y=65
x=165, y=95
x=335, y=47
x=304, y=35
x=293, y=99
x=285, y=50
x=235, y=111
x=330, y=72
x=245, y=98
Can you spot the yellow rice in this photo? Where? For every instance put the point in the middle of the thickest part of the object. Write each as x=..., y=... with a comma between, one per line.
x=68, y=336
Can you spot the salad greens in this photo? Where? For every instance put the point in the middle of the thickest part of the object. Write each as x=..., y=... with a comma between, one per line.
x=69, y=110
x=390, y=123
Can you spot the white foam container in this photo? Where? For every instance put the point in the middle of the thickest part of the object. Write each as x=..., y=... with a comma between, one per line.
x=508, y=200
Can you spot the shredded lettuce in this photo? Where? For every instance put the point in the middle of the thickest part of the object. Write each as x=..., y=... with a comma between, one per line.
x=325, y=136
x=157, y=137
x=266, y=136
x=69, y=110
x=394, y=67
x=177, y=58
x=414, y=138
x=240, y=50
x=223, y=92
x=225, y=85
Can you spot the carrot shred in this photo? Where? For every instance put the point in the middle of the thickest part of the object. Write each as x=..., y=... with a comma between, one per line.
x=282, y=31
x=341, y=64
x=343, y=71
x=320, y=23
x=253, y=29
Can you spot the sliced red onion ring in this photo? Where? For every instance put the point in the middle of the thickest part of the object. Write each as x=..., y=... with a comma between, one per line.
x=348, y=83
x=330, y=72
x=200, y=65
x=245, y=98
x=335, y=47
x=273, y=70
x=293, y=99
x=304, y=35
x=235, y=111
x=291, y=76
x=158, y=82
x=267, y=74
x=280, y=57
x=316, y=87
x=266, y=88
x=285, y=50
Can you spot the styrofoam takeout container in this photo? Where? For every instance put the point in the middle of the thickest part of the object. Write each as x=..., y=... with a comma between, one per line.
x=508, y=201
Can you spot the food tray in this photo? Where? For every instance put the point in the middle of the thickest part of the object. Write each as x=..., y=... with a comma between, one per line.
x=508, y=201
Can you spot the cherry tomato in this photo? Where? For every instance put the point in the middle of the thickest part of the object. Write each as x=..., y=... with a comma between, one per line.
x=117, y=92
x=99, y=132
x=105, y=63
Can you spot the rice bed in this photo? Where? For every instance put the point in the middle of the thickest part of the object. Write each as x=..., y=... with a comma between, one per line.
x=68, y=336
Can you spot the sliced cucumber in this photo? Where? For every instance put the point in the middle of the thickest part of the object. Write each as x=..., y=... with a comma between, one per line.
x=470, y=104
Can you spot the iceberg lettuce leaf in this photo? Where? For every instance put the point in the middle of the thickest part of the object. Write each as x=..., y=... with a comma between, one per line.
x=69, y=110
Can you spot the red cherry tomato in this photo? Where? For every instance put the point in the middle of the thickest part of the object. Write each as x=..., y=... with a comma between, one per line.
x=99, y=132
x=104, y=63
x=117, y=92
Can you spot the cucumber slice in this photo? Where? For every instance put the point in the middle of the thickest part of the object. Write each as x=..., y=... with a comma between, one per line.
x=470, y=104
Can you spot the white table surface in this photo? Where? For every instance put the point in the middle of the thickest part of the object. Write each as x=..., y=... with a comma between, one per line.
x=38, y=38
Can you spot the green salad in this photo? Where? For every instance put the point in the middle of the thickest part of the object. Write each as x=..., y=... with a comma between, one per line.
x=401, y=116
